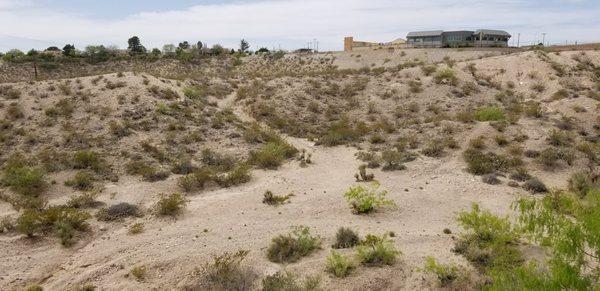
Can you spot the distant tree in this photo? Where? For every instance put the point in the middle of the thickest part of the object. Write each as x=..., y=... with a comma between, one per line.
x=262, y=50
x=53, y=49
x=32, y=53
x=169, y=49
x=69, y=50
x=199, y=45
x=184, y=45
x=13, y=55
x=156, y=52
x=135, y=46
x=217, y=49
x=97, y=53
x=244, y=45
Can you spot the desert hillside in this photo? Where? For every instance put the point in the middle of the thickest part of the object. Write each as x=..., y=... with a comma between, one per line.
x=136, y=174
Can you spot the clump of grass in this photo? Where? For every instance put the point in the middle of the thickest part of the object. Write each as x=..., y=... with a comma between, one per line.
x=272, y=199
x=14, y=111
x=581, y=183
x=446, y=274
x=139, y=272
x=84, y=200
x=489, y=114
x=136, y=228
x=118, y=211
x=227, y=272
x=23, y=179
x=446, y=76
x=491, y=179
x=170, y=205
x=289, y=281
x=377, y=251
x=339, y=265
x=367, y=199
x=83, y=180
x=434, y=149
x=196, y=180
x=291, y=247
x=480, y=163
x=272, y=154
x=345, y=238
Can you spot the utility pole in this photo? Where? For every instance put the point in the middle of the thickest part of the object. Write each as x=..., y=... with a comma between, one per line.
x=543, y=38
x=519, y=39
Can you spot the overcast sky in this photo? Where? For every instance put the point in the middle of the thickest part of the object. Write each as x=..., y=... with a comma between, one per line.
x=26, y=24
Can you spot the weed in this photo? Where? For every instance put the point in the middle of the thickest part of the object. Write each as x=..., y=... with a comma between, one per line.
x=367, y=199
x=288, y=281
x=226, y=272
x=446, y=274
x=136, y=228
x=446, y=76
x=196, y=180
x=83, y=180
x=170, y=205
x=291, y=247
x=272, y=199
x=339, y=265
x=489, y=114
x=272, y=154
x=377, y=251
x=139, y=272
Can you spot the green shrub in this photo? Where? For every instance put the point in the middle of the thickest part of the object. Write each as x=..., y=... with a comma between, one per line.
x=446, y=274
x=239, y=175
x=25, y=180
x=7, y=224
x=339, y=265
x=377, y=251
x=84, y=200
x=196, y=180
x=581, y=183
x=446, y=76
x=63, y=221
x=559, y=138
x=393, y=160
x=345, y=238
x=272, y=154
x=226, y=272
x=170, y=205
x=367, y=199
x=480, y=163
x=291, y=247
x=489, y=114
x=434, y=148
x=118, y=211
x=29, y=223
x=83, y=180
x=272, y=199
x=287, y=281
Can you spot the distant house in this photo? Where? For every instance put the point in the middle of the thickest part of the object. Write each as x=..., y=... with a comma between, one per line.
x=463, y=38
x=351, y=44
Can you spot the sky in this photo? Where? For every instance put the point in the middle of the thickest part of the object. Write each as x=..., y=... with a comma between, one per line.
x=289, y=24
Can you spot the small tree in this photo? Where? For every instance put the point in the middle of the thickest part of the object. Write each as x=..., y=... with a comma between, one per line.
x=135, y=46
x=244, y=46
x=169, y=49
x=184, y=45
x=69, y=50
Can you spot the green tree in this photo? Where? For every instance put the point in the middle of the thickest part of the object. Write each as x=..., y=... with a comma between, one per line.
x=69, y=50
x=135, y=46
x=244, y=45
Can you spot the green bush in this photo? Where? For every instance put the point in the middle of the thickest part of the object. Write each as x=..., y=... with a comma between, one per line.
x=286, y=281
x=196, y=180
x=272, y=199
x=377, y=251
x=434, y=148
x=339, y=265
x=489, y=114
x=25, y=180
x=480, y=163
x=239, y=175
x=83, y=180
x=291, y=247
x=171, y=205
x=226, y=272
x=139, y=272
x=345, y=238
x=272, y=154
x=446, y=76
x=63, y=221
x=367, y=199
x=446, y=274
x=29, y=223
x=535, y=185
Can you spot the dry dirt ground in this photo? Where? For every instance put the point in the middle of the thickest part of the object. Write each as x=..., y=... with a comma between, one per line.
x=428, y=194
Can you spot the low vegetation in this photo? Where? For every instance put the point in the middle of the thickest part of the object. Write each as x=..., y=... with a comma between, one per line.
x=288, y=248
x=367, y=199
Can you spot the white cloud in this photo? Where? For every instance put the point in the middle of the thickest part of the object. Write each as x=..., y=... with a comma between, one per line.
x=293, y=23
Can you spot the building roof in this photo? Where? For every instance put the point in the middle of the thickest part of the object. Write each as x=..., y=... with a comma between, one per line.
x=425, y=33
x=492, y=32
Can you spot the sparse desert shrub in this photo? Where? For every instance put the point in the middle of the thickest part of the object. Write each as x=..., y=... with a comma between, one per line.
x=239, y=175
x=34, y=287
x=136, y=228
x=393, y=160
x=538, y=87
x=491, y=179
x=139, y=272
x=13, y=93
x=118, y=211
x=29, y=223
x=343, y=132
x=428, y=70
x=465, y=116
x=501, y=140
x=480, y=163
x=288, y=281
x=272, y=199
x=446, y=76
x=7, y=224
x=367, y=199
x=272, y=154
x=170, y=205
x=581, y=183
x=227, y=272
x=377, y=251
x=24, y=180
x=559, y=138
x=548, y=158
x=371, y=158
x=84, y=200
x=119, y=129
x=63, y=221
x=434, y=149
x=446, y=273
x=533, y=109
x=291, y=247
x=534, y=185
x=196, y=180
x=489, y=114
x=362, y=175
x=88, y=160
x=345, y=238
x=14, y=111
x=83, y=180
x=339, y=265
x=415, y=86
x=520, y=174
